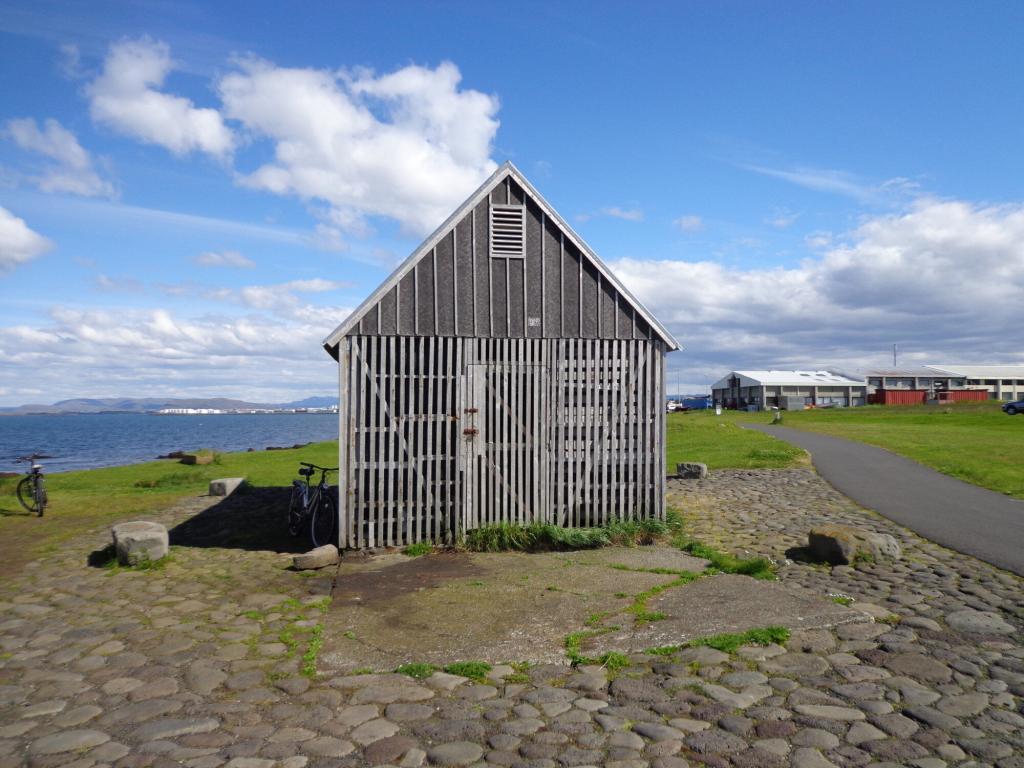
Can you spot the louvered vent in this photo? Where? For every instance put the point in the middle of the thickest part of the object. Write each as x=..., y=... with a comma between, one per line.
x=508, y=231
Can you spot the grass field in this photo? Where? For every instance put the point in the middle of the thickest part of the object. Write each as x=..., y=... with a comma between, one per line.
x=721, y=443
x=82, y=500
x=975, y=442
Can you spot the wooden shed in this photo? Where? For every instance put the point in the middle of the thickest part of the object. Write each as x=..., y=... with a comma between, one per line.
x=502, y=373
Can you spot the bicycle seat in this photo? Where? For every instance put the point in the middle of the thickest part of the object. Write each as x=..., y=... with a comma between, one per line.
x=306, y=472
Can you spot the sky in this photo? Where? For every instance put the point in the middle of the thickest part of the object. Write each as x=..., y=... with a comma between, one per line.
x=193, y=196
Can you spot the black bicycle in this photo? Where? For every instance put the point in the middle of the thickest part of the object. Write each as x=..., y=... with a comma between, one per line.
x=31, y=488
x=313, y=506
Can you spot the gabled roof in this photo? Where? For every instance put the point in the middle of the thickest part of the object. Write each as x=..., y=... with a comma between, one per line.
x=505, y=171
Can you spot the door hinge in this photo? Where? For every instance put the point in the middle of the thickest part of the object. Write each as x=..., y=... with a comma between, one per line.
x=471, y=432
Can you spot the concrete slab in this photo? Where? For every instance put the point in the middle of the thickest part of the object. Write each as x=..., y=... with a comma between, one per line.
x=722, y=604
x=391, y=609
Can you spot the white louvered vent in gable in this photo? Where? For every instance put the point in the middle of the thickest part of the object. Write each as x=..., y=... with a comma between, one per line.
x=508, y=231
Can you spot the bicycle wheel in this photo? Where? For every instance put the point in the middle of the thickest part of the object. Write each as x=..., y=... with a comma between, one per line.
x=27, y=494
x=325, y=519
x=296, y=510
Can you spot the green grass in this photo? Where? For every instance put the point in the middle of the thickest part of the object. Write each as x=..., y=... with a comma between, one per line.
x=974, y=442
x=417, y=670
x=539, y=537
x=721, y=443
x=83, y=500
x=474, y=670
x=418, y=549
x=757, y=567
x=729, y=642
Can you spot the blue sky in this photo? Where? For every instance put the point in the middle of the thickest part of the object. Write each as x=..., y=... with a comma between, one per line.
x=192, y=196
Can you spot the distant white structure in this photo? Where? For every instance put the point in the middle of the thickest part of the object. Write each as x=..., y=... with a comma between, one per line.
x=1003, y=382
x=789, y=390
x=189, y=411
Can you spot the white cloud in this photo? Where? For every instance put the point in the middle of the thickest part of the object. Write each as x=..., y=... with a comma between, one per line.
x=18, y=243
x=73, y=171
x=689, y=223
x=126, y=97
x=80, y=353
x=281, y=297
x=944, y=279
x=224, y=259
x=409, y=145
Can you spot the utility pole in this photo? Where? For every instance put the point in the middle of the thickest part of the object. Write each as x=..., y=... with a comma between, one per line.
x=893, y=355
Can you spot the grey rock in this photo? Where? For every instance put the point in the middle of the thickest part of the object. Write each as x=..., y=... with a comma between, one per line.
x=829, y=712
x=691, y=470
x=139, y=541
x=455, y=753
x=321, y=557
x=373, y=730
x=841, y=544
x=657, y=732
x=327, y=746
x=815, y=737
x=807, y=757
x=67, y=741
x=715, y=742
x=169, y=727
x=932, y=717
x=225, y=486
x=981, y=622
x=861, y=732
x=919, y=667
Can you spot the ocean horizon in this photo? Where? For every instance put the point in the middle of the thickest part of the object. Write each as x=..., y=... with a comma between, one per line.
x=89, y=441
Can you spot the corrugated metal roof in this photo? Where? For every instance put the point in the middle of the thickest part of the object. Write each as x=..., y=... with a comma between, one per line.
x=903, y=372
x=998, y=371
x=795, y=378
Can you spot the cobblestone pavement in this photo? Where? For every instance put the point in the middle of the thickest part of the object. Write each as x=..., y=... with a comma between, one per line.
x=199, y=664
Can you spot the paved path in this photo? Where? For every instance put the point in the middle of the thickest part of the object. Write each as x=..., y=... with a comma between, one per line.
x=953, y=513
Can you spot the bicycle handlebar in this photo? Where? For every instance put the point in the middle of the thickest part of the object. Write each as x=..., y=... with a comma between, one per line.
x=314, y=466
x=33, y=457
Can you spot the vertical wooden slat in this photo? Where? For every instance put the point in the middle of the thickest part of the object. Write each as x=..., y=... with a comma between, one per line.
x=392, y=465
x=472, y=254
x=404, y=459
x=380, y=460
x=416, y=298
x=457, y=444
x=344, y=406
x=365, y=448
x=605, y=426
x=435, y=299
x=455, y=280
x=430, y=449
x=421, y=439
x=543, y=276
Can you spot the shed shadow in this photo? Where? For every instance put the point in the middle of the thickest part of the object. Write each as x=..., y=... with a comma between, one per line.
x=254, y=519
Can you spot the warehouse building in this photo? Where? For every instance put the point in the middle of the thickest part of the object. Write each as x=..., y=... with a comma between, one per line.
x=789, y=390
x=1002, y=382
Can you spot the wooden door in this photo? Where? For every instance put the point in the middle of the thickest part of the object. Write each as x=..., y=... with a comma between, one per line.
x=504, y=444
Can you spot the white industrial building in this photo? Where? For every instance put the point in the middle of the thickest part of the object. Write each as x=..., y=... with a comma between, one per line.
x=789, y=390
x=1003, y=382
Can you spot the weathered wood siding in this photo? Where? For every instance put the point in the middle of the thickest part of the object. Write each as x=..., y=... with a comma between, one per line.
x=443, y=434
x=459, y=289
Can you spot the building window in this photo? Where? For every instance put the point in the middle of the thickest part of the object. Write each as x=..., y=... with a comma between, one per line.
x=508, y=231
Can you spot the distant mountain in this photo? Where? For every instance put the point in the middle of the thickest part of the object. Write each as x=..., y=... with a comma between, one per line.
x=152, y=404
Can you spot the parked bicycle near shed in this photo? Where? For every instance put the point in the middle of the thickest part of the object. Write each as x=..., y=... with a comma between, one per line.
x=31, y=488
x=313, y=506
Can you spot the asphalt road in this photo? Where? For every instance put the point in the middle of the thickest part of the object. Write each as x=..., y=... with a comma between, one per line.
x=964, y=517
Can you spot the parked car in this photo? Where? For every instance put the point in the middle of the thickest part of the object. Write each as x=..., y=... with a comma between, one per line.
x=1012, y=409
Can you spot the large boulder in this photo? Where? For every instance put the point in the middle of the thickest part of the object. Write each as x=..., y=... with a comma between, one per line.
x=691, y=470
x=321, y=557
x=844, y=544
x=139, y=541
